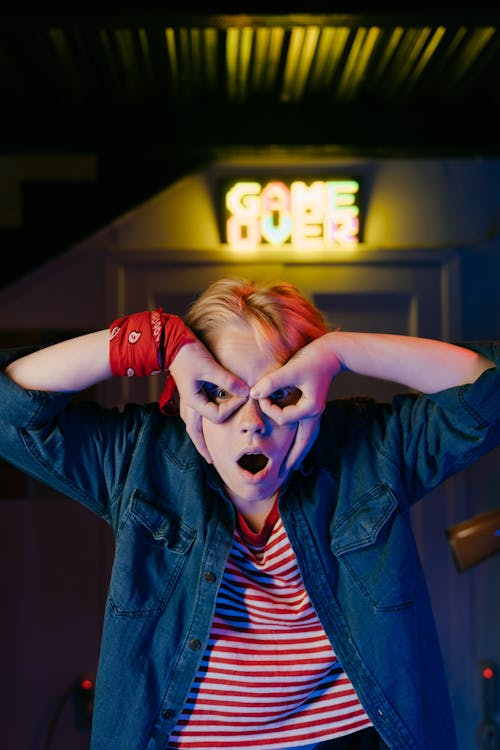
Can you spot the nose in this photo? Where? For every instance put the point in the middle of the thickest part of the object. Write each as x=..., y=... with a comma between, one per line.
x=251, y=417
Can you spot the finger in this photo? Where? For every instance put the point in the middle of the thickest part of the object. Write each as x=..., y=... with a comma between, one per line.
x=270, y=383
x=226, y=408
x=214, y=412
x=304, y=408
x=233, y=384
x=224, y=379
x=274, y=412
x=305, y=436
x=194, y=429
x=199, y=403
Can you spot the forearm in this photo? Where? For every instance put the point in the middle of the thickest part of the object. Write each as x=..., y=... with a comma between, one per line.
x=424, y=364
x=71, y=365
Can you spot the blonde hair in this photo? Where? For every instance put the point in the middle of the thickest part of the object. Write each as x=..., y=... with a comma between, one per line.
x=279, y=314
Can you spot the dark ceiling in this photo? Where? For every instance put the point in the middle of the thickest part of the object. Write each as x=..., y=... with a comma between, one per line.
x=152, y=95
x=167, y=82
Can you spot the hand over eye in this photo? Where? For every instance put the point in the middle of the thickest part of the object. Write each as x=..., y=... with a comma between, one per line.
x=305, y=378
x=194, y=369
x=311, y=371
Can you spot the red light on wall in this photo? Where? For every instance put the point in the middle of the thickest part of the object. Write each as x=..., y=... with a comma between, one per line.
x=84, y=699
x=488, y=672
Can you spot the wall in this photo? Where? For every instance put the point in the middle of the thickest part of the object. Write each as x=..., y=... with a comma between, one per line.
x=55, y=557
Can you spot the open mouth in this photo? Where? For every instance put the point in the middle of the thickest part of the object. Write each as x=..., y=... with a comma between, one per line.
x=253, y=462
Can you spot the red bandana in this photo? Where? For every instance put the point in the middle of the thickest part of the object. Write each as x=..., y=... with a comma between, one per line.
x=146, y=343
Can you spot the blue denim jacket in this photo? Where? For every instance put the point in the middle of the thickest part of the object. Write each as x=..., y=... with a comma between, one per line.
x=347, y=515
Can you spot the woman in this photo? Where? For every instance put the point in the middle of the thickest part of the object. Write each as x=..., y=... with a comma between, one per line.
x=266, y=589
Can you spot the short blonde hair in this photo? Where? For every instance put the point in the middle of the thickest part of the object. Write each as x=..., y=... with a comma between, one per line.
x=282, y=318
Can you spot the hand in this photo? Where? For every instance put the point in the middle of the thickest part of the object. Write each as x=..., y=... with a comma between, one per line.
x=307, y=430
x=311, y=371
x=193, y=421
x=192, y=368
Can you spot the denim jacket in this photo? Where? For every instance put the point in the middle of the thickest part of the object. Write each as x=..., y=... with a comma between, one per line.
x=346, y=513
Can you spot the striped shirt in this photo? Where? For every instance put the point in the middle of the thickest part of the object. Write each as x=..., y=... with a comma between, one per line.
x=269, y=679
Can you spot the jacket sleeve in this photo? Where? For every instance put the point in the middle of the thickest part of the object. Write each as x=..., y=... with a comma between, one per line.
x=483, y=396
x=77, y=448
x=444, y=432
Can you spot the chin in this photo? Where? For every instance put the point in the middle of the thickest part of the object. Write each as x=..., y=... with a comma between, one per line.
x=253, y=492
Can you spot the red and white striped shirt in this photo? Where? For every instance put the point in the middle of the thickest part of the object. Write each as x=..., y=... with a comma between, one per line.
x=269, y=679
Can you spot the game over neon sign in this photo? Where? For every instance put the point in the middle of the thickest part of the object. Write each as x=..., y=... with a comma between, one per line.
x=312, y=216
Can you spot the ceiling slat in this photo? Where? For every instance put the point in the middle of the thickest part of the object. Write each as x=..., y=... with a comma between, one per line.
x=418, y=65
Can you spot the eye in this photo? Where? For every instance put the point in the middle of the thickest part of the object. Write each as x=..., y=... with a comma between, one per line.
x=215, y=393
x=285, y=396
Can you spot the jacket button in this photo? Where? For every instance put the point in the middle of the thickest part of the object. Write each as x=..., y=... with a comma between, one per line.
x=167, y=713
x=209, y=576
x=194, y=644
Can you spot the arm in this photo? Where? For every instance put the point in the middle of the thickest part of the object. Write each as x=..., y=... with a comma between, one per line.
x=425, y=365
x=71, y=365
x=81, y=362
x=422, y=364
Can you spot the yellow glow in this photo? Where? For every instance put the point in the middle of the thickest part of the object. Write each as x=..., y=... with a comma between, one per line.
x=315, y=216
x=243, y=226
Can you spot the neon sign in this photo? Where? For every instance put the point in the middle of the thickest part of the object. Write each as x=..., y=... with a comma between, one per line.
x=315, y=216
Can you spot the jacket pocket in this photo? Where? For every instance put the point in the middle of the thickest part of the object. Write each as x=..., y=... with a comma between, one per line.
x=374, y=544
x=151, y=547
